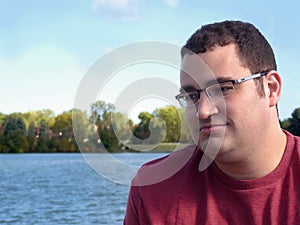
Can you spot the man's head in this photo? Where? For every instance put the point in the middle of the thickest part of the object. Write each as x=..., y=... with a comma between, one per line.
x=241, y=115
x=253, y=49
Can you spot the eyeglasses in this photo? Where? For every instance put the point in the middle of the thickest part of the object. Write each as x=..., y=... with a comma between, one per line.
x=214, y=91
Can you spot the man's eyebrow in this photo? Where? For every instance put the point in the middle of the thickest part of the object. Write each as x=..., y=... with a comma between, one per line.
x=219, y=80
x=187, y=88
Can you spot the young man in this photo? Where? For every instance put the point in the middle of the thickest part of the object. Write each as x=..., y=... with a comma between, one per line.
x=252, y=171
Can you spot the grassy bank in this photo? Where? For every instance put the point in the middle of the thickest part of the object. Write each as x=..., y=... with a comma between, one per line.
x=163, y=147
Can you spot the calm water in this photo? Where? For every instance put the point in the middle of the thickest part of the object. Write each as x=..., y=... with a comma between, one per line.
x=60, y=189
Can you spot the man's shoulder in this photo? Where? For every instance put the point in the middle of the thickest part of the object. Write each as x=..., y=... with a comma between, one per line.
x=297, y=141
x=187, y=150
x=296, y=147
x=293, y=141
x=162, y=168
x=297, y=138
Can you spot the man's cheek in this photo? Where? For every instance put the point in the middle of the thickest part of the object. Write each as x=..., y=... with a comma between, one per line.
x=193, y=124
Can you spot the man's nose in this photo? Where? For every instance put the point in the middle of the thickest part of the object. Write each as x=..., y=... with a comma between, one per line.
x=206, y=107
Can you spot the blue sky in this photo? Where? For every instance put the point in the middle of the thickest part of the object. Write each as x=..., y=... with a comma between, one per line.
x=46, y=47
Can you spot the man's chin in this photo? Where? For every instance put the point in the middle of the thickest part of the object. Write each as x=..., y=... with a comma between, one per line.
x=211, y=146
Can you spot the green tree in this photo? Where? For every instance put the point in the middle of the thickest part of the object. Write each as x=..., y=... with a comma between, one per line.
x=15, y=135
x=2, y=119
x=63, y=124
x=46, y=115
x=150, y=130
x=101, y=111
x=122, y=126
x=101, y=116
x=43, y=129
x=294, y=122
x=63, y=129
x=171, y=117
x=185, y=133
x=42, y=145
x=141, y=130
x=13, y=124
x=31, y=136
x=82, y=127
x=285, y=124
x=3, y=148
x=176, y=124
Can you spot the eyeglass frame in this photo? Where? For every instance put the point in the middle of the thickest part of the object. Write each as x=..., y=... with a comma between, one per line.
x=234, y=82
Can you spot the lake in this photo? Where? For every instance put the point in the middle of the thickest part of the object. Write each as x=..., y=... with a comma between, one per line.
x=61, y=189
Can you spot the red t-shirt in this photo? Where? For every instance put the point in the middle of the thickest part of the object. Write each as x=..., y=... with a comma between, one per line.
x=211, y=197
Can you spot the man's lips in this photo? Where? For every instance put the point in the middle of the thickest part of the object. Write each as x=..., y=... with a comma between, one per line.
x=205, y=126
x=208, y=128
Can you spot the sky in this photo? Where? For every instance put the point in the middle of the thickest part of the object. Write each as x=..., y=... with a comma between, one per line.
x=48, y=47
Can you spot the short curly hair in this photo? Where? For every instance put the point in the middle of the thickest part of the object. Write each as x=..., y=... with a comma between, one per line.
x=254, y=51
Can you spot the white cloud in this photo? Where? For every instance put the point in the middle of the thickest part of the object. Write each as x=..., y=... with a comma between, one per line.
x=172, y=3
x=124, y=9
x=118, y=5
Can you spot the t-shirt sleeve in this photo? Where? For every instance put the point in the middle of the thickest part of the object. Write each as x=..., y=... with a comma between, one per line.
x=131, y=216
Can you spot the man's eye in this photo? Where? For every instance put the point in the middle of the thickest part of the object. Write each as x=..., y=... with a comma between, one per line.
x=193, y=96
x=226, y=88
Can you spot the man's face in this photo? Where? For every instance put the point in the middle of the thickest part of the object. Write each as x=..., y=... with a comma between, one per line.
x=228, y=125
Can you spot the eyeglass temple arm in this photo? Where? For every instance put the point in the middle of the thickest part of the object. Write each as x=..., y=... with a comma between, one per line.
x=257, y=75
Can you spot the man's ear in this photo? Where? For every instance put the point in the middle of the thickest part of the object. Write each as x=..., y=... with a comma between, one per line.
x=273, y=85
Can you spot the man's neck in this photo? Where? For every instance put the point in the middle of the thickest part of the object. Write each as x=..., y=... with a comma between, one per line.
x=263, y=161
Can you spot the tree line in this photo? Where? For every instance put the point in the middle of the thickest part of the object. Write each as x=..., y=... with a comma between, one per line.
x=292, y=124
x=101, y=128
